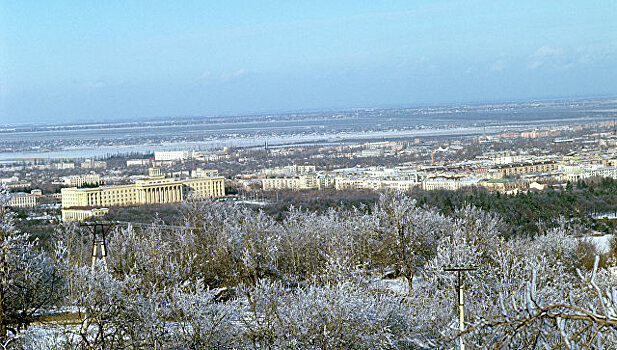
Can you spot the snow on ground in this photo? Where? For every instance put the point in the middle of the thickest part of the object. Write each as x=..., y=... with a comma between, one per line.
x=249, y=202
x=396, y=285
x=602, y=242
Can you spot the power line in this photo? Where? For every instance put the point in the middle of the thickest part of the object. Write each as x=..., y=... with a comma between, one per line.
x=148, y=225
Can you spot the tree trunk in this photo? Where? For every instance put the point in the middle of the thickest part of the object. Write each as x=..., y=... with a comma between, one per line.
x=2, y=317
x=409, y=279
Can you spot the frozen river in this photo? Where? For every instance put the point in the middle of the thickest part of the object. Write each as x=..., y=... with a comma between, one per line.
x=28, y=142
x=243, y=141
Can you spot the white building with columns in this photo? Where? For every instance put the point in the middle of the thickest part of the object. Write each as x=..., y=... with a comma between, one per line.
x=155, y=189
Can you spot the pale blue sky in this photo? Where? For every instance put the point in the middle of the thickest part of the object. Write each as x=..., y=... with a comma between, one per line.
x=104, y=60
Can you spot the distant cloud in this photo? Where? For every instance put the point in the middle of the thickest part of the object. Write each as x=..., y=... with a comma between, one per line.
x=586, y=58
x=206, y=76
x=545, y=55
x=591, y=54
x=498, y=66
x=225, y=77
x=559, y=59
x=97, y=84
x=547, y=51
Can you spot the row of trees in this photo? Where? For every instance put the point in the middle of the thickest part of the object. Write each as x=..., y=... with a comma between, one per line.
x=232, y=277
x=526, y=213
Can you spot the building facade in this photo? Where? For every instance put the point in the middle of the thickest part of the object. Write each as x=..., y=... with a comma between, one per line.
x=303, y=182
x=172, y=155
x=82, y=213
x=81, y=180
x=290, y=170
x=22, y=200
x=93, y=164
x=527, y=168
x=156, y=189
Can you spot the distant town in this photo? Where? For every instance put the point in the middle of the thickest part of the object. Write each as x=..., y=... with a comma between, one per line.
x=506, y=159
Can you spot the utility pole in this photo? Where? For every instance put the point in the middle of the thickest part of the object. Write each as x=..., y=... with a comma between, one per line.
x=99, y=249
x=460, y=286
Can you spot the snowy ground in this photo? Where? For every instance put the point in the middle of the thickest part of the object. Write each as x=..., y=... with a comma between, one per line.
x=602, y=242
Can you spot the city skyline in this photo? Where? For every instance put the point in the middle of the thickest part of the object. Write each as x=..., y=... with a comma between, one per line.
x=69, y=61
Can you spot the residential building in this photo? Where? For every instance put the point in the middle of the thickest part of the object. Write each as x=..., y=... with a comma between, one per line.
x=527, y=168
x=290, y=170
x=137, y=162
x=93, y=164
x=172, y=155
x=82, y=180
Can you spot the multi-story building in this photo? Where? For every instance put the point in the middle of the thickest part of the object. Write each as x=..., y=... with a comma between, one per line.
x=290, y=170
x=155, y=189
x=503, y=185
x=575, y=173
x=82, y=213
x=172, y=155
x=399, y=185
x=527, y=168
x=280, y=183
x=22, y=200
x=137, y=162
x=82, y=180
x=63, y=166
x=199, y=172
x=351, y=183
x=93, y=164
x=440, y=183
x=303, y=182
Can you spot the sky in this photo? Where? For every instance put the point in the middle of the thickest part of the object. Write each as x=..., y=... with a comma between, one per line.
x=73, y=61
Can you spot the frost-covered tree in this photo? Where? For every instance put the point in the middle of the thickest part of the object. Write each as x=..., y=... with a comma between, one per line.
x=408, y=235
x=116, y=313
x=536, y=318
x=29, y=282
x=341, y=316
x=233, y=277
x=202, y=320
